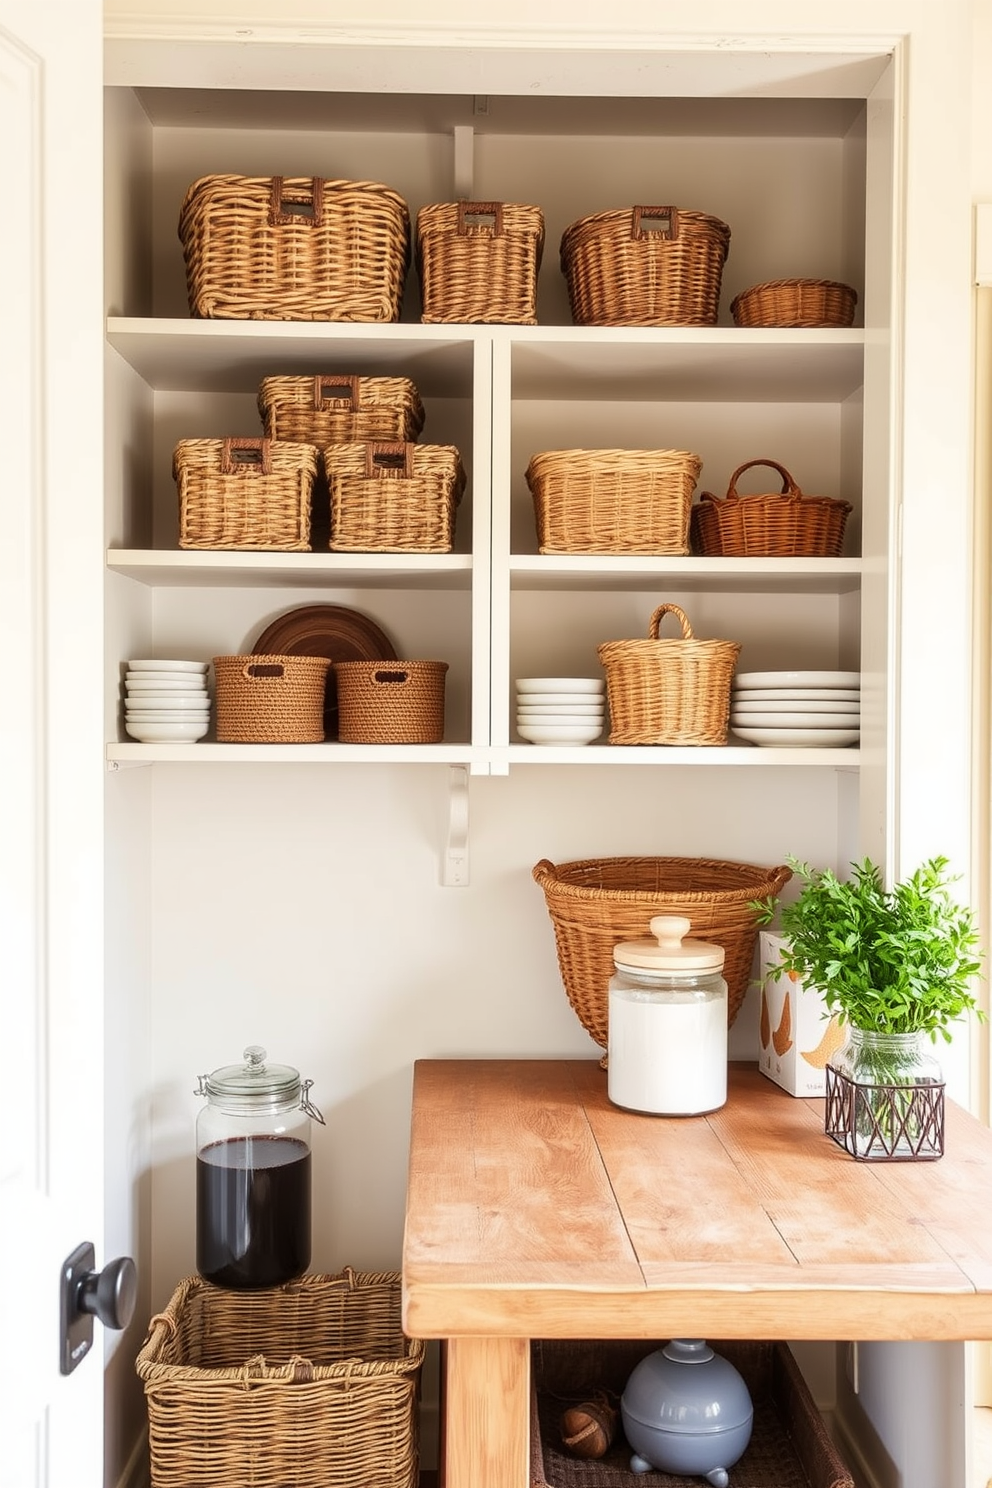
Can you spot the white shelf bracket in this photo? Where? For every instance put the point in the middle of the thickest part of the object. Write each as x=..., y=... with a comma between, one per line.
x=464, y=162
x=454, y=869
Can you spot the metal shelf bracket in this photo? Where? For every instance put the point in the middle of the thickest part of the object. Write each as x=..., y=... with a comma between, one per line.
x=454, y=868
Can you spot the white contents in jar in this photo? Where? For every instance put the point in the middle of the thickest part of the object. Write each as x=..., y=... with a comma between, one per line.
x=667, y=1051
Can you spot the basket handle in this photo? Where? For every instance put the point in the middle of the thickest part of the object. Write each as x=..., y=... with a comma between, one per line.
x=296, y=205
x=480, y=214
x=391, y=677
x=789, y=487
x=660, y=222
x=345, y=390
x=543, y=871
x=389, y=460
x=669, y=609
x=256, y=670
x=297, y=1370
x=246, y=457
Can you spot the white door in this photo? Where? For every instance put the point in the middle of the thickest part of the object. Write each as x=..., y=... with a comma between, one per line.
x=51, y=735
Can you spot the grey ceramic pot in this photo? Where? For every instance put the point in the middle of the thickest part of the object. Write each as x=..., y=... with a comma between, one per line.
x=687, y=1410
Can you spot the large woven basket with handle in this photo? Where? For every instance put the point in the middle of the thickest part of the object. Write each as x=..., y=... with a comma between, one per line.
x=327, y=409
x=778, y=524
x=245, y=493
x=596, y=902
x=478, y=262
x=613, y=500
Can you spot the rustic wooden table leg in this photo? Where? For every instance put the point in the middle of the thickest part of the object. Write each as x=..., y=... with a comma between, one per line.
x=487, y=1413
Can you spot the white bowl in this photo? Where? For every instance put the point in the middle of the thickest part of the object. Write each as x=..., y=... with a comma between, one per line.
x=548, y=733
x=168, y=666
x=559, y=720
x=147, y=717
x=787, y=697
x=797, y=679
x=167, y=699
x=796, y=720
x=788, y=738
x=560, y=684
x=566, y=710
x=167, y=733
x=164, y=682
x=561, y=699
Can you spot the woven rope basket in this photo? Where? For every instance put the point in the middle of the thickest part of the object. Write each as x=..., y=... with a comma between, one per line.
x=783, y=524
x=270, y=699
x=390, y=702
x=294, y=248
x=596, y=902
x=478, y=262
x=244, y=493
x=311, y=1383
x=669, y=691
x=795, y=302
x=613, y=500
x=393, y=498
x=337, y=410
x=645, y=266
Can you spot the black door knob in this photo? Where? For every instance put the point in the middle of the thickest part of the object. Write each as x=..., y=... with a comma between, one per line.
x=110, y=1294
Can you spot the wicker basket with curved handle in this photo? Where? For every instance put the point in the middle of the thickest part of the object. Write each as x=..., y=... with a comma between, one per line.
x=781, y=524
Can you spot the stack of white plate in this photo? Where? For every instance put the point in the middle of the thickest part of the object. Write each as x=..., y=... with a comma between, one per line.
x=797, y=710
x=561, y=710
x=166, y=702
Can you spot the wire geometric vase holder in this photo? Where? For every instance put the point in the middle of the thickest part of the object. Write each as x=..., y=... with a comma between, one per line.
x=885, y=1123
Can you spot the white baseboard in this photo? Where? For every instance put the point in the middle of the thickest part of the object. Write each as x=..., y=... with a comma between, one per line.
x=866, y=1473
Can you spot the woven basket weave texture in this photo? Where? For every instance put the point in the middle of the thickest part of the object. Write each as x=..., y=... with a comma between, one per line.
x=393, y=497
x=311, y=1383
x=478, y=262
x=645, y=266
x=294, y=248
x=390, y=702
x=270, y=699
x=795, y=302
x=244, y=493
x=783, y=524
x=613, y=500
x=596, y=902
x=326, y=409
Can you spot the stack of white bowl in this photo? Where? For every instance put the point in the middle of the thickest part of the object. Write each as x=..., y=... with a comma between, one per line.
x=561, y=710
x=797, y=710
x=166, y=702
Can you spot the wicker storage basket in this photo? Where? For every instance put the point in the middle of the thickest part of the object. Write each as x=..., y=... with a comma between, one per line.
x=669, y=691
x=270, y=699
x=783, y=524
x=613, y=500
x=596, y=902
x=790, y=1446
x=478, y=262
x=645, y=266
x=795, y=302
x=294, y=248
x=244, y=493
x=390, y=702
x=338, y=410
x=311, y=1383
x=393, y=497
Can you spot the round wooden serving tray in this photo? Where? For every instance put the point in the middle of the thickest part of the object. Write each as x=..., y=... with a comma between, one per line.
x=334, y=631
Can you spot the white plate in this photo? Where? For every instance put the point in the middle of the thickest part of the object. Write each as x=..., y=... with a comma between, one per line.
x=566, y=710
x=166, y=733
x=789, y=738
x=796, y=694
x=168, y=699
x=168, y=666
x=559, y=720
x=546, y=733
x=149, y=716
x=560, y=684
x=583, y=699
x=797, y=679
x=165, y=681
x=795, y=720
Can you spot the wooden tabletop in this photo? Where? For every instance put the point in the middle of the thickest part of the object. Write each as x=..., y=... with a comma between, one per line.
x=535, y=1208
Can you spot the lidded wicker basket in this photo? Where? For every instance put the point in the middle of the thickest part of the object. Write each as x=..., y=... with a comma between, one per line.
x=613, y=500
x=784, y=524
x=244, y=493
x=595, y=903
x=478, y=262
x=393, y=497
x=294, y=248
x=311, y=1383
x=390, y=702
x=795, y=302
x=645, y=266
x=326, y=409
x=270, y=699
x=669, y=691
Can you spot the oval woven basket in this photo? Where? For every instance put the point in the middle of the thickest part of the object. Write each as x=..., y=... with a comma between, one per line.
x=613, y=500
x=390, y=702
x=270, y=699
x=795, y=302
x=783, y=524
x=596, y=902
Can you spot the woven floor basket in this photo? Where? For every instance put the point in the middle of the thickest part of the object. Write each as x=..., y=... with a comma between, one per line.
x=390, y=702
x=244, y=493
x=596, y=902
x=645, y=266
x=478, y=262
x=669, y=691
x=613, y=500
x=311, y=1384
x=393, y=497
x=783, y=524
x=337, y=410
x=270, y=699
x=294, y=248
x=795, y=302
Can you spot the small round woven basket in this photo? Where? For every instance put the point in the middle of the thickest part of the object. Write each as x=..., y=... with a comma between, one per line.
x=669, y=691
x=270, y=699
x=596, y=902
x=795, y=302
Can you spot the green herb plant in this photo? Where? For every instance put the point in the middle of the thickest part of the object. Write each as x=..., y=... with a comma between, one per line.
x=898, y=960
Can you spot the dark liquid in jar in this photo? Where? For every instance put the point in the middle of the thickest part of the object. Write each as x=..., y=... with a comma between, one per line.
x=253, y=1211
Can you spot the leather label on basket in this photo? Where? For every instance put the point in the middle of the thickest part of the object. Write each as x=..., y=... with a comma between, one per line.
x=296, y=203
x=336, y=390
x=661, y=220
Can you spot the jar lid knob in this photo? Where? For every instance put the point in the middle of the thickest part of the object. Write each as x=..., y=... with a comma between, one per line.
x=670, y=931
x=254, y=1057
